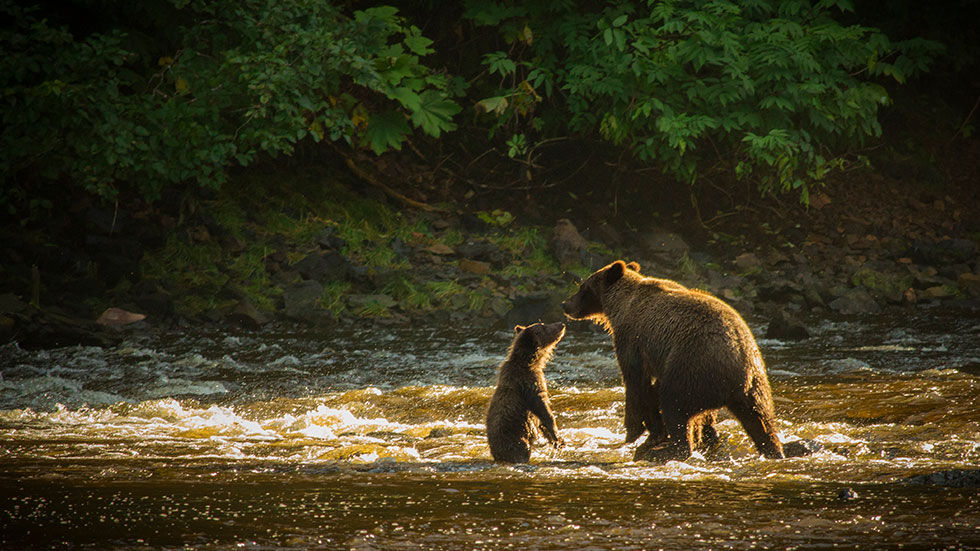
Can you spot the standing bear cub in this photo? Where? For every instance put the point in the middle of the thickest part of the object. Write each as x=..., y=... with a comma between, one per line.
x=683, y=354
x=522, y=395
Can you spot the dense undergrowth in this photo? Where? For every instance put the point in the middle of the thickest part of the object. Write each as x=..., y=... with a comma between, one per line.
x=251, y=235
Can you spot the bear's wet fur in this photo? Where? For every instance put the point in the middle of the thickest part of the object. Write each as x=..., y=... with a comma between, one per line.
x=522, y=395
x=683, y=355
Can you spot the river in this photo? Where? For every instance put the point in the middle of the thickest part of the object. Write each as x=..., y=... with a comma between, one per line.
x=373, y=438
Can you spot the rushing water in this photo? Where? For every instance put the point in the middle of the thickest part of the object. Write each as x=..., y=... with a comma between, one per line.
x=374, y=439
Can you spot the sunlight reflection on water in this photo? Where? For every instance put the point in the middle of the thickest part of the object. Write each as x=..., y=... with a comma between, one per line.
x=351, y=441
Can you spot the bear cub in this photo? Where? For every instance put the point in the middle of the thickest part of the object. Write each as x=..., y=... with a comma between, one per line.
x=522, y=395
x=683, y=354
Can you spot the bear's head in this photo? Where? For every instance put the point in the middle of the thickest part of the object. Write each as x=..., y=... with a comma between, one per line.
x=539, y=336
x=587, y=302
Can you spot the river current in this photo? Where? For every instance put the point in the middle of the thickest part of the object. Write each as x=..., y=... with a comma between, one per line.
x=373, y=438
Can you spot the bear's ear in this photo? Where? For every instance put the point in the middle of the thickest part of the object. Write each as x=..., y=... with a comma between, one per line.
x=635, y=266
x=519, y=328
x=614, y=272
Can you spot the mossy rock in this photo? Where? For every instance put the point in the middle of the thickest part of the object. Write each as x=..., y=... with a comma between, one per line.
x=881, y=285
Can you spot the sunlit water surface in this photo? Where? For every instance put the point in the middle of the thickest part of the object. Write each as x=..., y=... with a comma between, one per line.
x=373, y=438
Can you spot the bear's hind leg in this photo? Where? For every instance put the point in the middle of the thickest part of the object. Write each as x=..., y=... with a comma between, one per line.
x=755, y=414
x=704, y=435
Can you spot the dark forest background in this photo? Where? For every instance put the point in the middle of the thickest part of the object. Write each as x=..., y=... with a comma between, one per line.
x=395, y=122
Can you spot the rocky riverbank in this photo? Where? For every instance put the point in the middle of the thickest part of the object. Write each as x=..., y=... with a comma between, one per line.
x=321, y=253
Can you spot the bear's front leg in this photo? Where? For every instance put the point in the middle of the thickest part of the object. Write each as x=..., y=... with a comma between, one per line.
x=677, y=445
x=642, y=400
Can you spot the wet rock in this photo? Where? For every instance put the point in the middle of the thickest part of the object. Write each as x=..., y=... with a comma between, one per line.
x=855, y=301
x=118, y=316
x=801, y=448
x=245, y=314
x=324, y=267
x=439, y=432
x=567, y=244
x=39, y=329
x=300, y=299
x=956, y=478
x=847, y=494
x=784, y=326
x=780, y=290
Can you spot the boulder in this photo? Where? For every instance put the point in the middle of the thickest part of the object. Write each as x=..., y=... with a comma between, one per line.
x=956, y=478
x=784, y=326
x=747, y=262
x=882, y=286
x=969, y=282
x=440, y=249
x=301, y=299
x=568, y=246
x=245, y=314
x=474, y=266
x=324, y=267
x=957, y=250
x=934, y=292
x=328, y=239
x=117, y=316
x=482, y=250
x=855, y=301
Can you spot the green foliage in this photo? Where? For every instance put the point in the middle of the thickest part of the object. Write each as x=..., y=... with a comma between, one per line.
x=773, y=90
x=240, y=80
x=408, y=294
x=497, y=217
x=332, y=298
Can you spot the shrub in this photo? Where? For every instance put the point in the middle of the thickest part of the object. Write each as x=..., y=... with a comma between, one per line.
x=243, y=79
x=773, y=89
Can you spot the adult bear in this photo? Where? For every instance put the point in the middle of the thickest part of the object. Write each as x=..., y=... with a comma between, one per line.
x=683, y=355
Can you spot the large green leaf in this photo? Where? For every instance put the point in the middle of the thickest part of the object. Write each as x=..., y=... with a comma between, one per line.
x=435, y=113
x=386, y=130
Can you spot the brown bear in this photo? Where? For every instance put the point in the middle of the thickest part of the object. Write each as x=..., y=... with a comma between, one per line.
x=522, y=395
x=683, y=354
